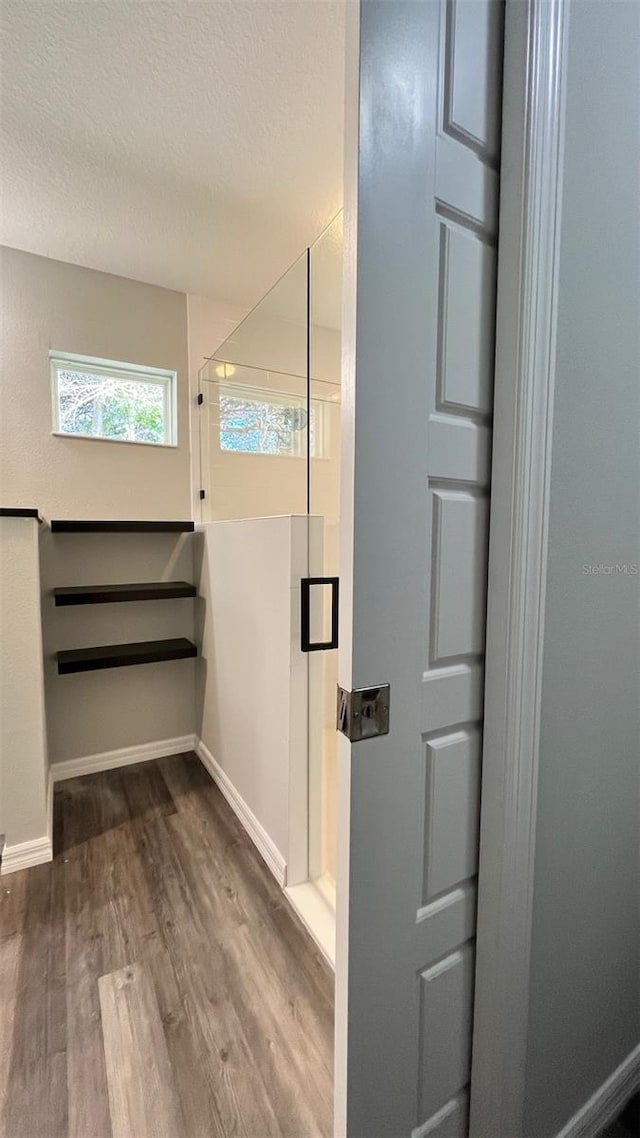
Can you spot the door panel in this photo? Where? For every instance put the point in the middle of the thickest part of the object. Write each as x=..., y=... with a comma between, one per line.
x=425, y=266
x=446, y=995
x=473, y=52
x=459, y=541
x=465, y=328
x=451, y=819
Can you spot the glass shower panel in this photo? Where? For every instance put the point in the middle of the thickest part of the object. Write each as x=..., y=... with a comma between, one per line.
x=270, y=445
x=325, y=328
x=253, y=443
x=273, y=337
x=254, y=419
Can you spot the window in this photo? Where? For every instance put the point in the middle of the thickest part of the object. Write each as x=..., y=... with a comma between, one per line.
x=269, y=422
x=99, y=399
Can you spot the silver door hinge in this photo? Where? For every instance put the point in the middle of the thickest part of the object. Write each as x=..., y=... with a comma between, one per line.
x=363, y=713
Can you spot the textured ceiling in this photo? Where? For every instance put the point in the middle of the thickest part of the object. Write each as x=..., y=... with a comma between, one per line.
x=195, y=145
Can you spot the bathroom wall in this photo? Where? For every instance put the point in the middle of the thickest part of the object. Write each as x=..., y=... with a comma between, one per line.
x=268, y=352
x=24, y=815
x=251, y=701
x=89, y=713
x=47, y=305
x=584, y=1014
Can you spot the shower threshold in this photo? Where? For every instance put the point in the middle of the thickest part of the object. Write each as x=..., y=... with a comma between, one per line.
x=315, y=903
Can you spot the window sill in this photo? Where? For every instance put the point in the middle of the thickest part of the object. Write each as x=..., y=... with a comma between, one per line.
x=117, y=442
x=270, y=454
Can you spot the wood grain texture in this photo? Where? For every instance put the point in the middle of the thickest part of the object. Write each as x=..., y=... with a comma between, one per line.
x=157, y=949
x=142, y=1095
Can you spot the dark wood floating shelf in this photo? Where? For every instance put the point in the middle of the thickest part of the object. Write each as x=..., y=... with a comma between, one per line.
x=18, y=512
x=63, y=525
x=106, y=594
x=124, y=655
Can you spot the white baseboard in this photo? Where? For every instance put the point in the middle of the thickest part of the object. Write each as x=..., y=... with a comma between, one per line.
x=32, y=853
x=123, y=757
x=49, y=806
x=26, y=854
x=607, y=1102
x=259, y=836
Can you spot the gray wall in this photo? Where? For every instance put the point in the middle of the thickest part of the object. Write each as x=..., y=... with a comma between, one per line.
x=585, y=966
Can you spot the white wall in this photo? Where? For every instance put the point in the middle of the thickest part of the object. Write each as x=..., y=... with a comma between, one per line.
x=23, y=749
x=251, y=703
x=584, y=1015
x=51, y=305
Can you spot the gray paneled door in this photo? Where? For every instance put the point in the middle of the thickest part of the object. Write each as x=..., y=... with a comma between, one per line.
x=421, y=220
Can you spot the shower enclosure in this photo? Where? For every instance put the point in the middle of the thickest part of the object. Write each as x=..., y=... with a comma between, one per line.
x=270, y=446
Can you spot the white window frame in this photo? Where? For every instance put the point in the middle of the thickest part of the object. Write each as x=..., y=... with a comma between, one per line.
x=168, y=380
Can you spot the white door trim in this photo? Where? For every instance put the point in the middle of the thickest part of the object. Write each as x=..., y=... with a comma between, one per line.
x=531, y=184
x=347, y=481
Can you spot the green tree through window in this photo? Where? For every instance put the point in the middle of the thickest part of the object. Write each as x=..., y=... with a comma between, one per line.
x=110, y=403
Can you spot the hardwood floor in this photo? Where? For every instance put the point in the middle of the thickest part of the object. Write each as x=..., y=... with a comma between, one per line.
x=153, y=980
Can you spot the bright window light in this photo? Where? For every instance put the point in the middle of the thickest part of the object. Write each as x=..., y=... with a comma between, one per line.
x=269, y=422
x=100, y=399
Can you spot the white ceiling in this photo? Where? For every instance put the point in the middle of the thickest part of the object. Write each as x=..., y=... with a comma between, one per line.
x=195, y=144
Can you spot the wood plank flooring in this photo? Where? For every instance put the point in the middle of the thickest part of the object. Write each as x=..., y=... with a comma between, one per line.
x=142, y=1094
x=153, y=981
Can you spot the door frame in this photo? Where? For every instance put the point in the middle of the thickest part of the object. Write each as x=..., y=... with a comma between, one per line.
x=528, y=262
x=531, y=185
